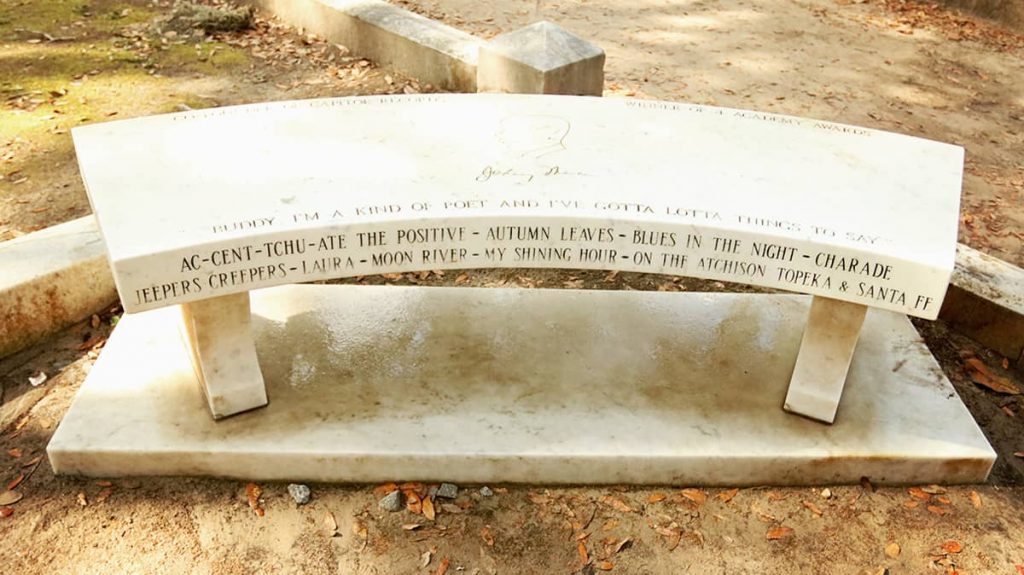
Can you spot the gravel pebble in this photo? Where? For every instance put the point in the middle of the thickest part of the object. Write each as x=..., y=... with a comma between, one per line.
x=448, y=491
x=486, y=491
x=300, y=493
x=392, y=502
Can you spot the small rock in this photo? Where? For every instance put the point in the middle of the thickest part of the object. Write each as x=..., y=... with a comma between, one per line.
x=486, y=491
x=392, y=502
x=300, y=493
x=826, y=493
x=448, y=491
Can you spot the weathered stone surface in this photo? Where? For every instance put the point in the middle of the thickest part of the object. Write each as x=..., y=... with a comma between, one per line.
x=539, y=386
x=986, y=301
x=542, y=58
x=427, y=50
x=218, y=336
x=344, y=187
x=50, y=279
x=826, y=351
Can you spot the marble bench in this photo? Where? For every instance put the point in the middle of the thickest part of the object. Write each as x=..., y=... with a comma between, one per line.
x=199, y=208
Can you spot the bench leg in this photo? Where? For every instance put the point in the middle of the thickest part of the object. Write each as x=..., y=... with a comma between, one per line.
x=824, y=358
x=219, y=337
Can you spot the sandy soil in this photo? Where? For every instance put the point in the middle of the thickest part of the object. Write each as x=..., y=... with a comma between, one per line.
x=172, y=525
x=737, y=54
x=898, y=66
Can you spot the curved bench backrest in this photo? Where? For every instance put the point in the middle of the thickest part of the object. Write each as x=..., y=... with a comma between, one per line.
x=208, y=203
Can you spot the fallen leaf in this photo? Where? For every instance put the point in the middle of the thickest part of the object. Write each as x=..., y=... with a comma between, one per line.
x=442, y=568
x=382, y=490
x=952, y=546
x=780, y=532
x=1018, y=454
x=413, y=503
x=937, y=510
x=252, y=493
x=943, y=500
x=412, y=526
x=975, y=499
x=485, y=534
x=331, y=524
x=813, y=508
x=934, y=489
x=428, y=508
x=622, y=545
x=656, y=497
x=604, y=566
x=10, y=497
x=1019, y=568
x=425, y=558
x=14, y=483
x=726, y=496
x=416, y=486
x=104, y=483
x=695, y=495
x=359, y=530
x=981, y=375
x=32, y=461
x=6, y=511
x=616, y=503
x=672, y=539
x=892, y=550
x=918, y=493
x=103, y=495
x=911, y=504
x=581, y=547
x=667, y=531
x=15, y=452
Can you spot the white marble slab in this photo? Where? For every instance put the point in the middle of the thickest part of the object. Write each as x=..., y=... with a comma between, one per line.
x=206, y=203
x=370, y=384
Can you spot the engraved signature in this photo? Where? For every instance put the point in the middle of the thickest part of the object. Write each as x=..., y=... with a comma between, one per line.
x=489, y=173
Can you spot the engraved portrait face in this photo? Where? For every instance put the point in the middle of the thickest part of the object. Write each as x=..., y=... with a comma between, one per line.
x=533, y=136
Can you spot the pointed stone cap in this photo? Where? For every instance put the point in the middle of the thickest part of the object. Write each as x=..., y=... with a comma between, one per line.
x=542, y=58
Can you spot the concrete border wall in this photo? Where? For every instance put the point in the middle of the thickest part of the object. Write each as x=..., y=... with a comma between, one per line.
x=51, y=279
x=429, y=51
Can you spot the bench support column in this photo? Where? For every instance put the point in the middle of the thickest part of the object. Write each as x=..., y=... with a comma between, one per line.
x=824, y=358
x=219, y=338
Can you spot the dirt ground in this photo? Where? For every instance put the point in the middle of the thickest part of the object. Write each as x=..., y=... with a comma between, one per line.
x=177, y=525
x=881, y=65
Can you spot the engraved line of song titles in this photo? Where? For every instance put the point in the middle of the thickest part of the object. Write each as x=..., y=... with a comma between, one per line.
x=632, y=247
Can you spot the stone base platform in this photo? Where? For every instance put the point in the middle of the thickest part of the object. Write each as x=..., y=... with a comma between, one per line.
x=371, y=384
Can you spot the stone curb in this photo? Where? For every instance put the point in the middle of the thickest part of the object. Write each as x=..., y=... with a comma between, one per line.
x=427, y=50
x=51, y=279
x=985, y=301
